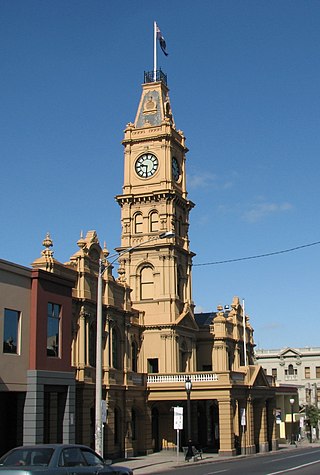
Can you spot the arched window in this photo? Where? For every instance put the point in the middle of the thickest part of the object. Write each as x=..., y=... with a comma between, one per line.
x=290, y=371
x=115, y=349
x=154, y=222
x=146, y=283
x=138, y=223
x=134, y=356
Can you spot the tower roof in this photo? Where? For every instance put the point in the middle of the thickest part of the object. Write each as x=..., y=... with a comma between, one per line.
x=154, y=107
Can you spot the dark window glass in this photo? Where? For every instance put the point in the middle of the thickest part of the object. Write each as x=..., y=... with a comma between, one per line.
x=53, y=326
x=153, y=366
x=91, y=458
x=134, y=356
x=134, y=424
x=11, y=331
x=72, y=457
x=115, y=349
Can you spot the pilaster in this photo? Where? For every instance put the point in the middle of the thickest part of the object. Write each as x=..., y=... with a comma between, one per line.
x=247, y=434
x=226, y=427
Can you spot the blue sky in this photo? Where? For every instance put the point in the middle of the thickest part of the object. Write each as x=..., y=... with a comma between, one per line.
x=244, y=81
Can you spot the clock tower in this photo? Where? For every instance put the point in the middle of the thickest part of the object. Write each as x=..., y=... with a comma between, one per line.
x=153, y=201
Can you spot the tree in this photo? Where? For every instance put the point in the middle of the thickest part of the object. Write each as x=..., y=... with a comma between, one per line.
x=313, y=416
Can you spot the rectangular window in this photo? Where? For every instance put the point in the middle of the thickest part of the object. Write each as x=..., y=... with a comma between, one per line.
x=53, y=329
x=153, y=366
x=274, y=372
x=307, y=372
x=11, y=331
x=317, y=371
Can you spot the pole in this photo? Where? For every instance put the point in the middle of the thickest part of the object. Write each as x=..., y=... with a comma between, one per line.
x=154, y=51
x=98, y=423
x=292, y=441
x=178, y=445
x=244, y=334
x=189, y=415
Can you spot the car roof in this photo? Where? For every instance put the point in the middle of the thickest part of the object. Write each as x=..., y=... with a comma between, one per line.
x=51, y=446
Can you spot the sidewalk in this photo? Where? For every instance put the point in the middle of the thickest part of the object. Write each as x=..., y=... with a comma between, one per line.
x=168, y=459
x=164, y=460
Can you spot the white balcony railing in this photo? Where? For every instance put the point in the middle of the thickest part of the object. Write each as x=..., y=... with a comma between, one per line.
x=180, y=378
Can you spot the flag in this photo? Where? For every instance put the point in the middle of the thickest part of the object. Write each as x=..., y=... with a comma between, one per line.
x=162, y=41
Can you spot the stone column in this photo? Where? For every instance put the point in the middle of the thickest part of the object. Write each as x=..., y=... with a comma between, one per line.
x=80, y=346
x=272, y=425
x=226, y=429
x=263, y=436
x=247, y=435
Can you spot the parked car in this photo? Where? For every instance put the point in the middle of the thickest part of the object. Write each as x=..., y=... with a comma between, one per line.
x=56, y=459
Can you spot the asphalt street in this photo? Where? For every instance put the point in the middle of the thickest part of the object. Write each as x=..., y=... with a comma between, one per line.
x=304, y=460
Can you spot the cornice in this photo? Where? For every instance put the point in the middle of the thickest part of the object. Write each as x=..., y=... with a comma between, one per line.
x=156, y=196
x=161, y=132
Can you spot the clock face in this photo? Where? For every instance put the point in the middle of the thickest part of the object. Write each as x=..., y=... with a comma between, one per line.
x=175, y=169
x=146, y=165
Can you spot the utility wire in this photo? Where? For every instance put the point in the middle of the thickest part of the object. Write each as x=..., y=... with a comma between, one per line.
x=259, y=256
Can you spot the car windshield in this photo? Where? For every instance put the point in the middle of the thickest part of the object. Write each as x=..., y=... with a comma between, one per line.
x=25, y=456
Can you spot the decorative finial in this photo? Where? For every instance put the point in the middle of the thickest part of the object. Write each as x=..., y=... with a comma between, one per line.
x=47, y=243
x=105, y=250
x=81, y=243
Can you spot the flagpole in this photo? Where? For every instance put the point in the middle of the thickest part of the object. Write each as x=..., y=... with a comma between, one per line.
x=154, y=51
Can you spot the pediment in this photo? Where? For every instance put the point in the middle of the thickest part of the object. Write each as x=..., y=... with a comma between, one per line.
x=186, y=319
x=256, y=377
x=289, y=352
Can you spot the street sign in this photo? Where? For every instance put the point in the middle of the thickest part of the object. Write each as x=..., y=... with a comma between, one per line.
x=103, y=411
x=243, y=416
x=178, y=418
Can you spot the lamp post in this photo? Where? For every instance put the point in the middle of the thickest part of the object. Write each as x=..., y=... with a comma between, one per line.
x=103, y=266
x=292, y=435
x=188, y=386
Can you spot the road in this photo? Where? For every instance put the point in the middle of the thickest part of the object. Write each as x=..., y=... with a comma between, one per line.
x=304, y=461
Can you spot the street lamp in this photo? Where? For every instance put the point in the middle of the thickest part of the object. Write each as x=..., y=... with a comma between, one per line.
x=103, y=266
x=188, y=386
x=292, y=435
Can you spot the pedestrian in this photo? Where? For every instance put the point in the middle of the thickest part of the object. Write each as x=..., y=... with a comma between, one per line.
x=189, y=453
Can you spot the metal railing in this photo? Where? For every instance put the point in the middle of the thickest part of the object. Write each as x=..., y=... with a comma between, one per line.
x=155, y=76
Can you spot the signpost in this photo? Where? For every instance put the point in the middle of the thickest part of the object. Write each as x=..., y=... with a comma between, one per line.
x=178, y=423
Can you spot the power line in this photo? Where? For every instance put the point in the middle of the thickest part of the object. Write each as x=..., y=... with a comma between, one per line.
x=259, y=256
